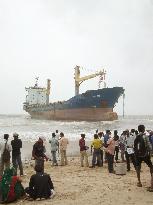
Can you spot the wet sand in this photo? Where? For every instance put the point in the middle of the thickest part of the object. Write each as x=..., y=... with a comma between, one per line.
x=75, y=185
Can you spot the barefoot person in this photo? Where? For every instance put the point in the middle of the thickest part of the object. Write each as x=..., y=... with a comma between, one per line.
x=142, y=149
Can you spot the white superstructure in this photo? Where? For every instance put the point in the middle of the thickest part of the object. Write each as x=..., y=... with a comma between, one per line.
x=38, y=95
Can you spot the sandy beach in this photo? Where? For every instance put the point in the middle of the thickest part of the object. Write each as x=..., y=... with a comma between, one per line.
x=75, y=185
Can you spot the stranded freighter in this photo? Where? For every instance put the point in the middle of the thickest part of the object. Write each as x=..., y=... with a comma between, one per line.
x=93, y=105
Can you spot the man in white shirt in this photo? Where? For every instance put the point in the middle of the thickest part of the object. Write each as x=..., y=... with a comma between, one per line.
x=129, y=151
x=4, y=144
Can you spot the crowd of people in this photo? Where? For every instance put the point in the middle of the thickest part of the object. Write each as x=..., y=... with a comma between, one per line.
x=132, y=146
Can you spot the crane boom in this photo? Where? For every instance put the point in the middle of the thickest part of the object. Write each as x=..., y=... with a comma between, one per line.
x=89, y=76
x=79, y=80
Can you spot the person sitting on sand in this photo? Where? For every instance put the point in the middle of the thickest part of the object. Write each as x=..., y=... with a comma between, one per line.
x=40, y=185
x=142, y=149
x=11, y=188
x=83, y=153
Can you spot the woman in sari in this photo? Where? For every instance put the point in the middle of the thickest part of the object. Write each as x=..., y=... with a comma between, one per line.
x=11, y=188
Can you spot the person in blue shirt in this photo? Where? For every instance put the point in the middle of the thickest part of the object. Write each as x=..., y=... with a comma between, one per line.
x=106, y=137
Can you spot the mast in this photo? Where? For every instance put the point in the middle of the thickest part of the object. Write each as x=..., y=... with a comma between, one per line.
x=48, y=91
x=79, y=80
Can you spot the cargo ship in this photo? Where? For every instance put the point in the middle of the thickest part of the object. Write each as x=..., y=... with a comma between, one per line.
x=92, y=105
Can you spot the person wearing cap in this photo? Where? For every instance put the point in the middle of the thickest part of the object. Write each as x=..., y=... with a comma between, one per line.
x=54, y=148
x=83, y=153
x=4, y=144
x=16, y=153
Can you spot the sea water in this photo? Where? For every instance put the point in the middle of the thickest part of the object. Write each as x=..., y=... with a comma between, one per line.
x=30, y=129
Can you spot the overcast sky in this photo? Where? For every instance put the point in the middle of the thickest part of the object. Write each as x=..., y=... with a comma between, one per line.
x=47, y=38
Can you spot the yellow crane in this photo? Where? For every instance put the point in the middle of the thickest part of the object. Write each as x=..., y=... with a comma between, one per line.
x=79, y=80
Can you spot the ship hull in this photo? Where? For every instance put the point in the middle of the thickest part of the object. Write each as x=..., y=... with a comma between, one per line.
x=84, y=114
x=93, y=105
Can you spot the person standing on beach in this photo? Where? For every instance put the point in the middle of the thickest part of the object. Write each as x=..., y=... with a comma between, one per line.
x=106, y=138
x=116, y=138
x=57, y=135
x=100, y=136
x=5, y=149
x=38, y=152
x=151, y=140
x=129, y=151
x=63, y=142
x=142, y=149
x=96, y=145
x=83, y=153
x=122, y=145
x=16, y=154
x=54, y=148
x=110, y=149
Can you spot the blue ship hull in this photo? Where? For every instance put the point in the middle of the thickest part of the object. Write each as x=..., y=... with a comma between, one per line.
x=92, y=105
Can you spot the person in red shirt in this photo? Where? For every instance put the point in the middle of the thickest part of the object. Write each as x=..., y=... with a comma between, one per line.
x=83, y=153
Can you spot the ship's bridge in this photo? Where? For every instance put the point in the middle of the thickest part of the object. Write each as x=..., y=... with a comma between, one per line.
x=36, y=95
